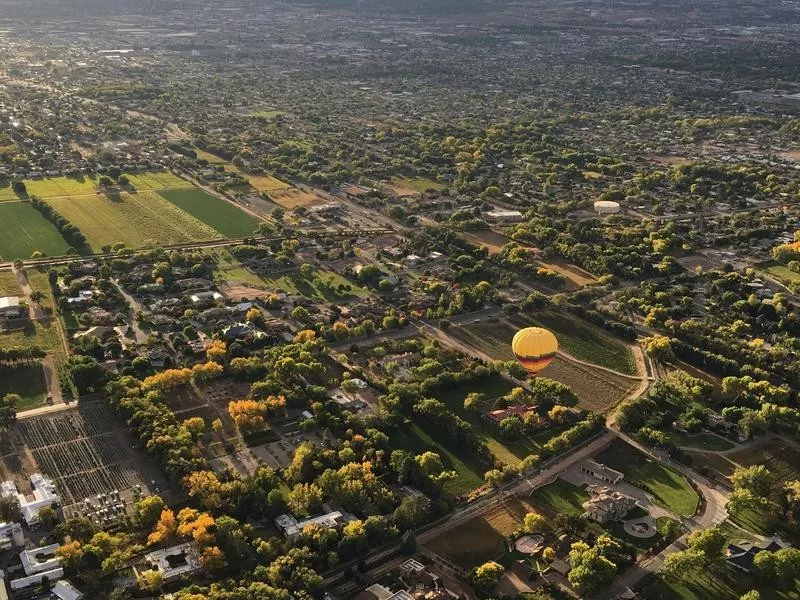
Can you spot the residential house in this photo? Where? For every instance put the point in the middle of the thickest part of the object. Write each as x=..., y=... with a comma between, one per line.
x=605, y=504
x=601, y=472
x=741, y=555
x=515, y=410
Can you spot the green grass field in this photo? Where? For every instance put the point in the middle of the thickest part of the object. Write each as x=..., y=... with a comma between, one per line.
x=26, y=380
x=218, y=214
x=25, y=230
x=8, y=284
x=44, y=335
x=415, y=440
x=140, y=219
x=670, y=488
x=725, y=583
x=559, y=498
x=40, y=283
x=54, y=187
x=419, y=184
x=584, y=341
x=779, y=271
x=700, y=441
x=158, y=180
x=324, y=286
x=470, y=544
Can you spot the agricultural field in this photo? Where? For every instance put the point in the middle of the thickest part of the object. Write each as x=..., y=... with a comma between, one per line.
x=482, y=538
x=290, y=198
x=8, y=284
x=85, y=450
x=218, y=214
x=26, y=231
x=158, y=180
x=139, y=219
x=26, y=380
x=211, y=158
x=583, y=340
x=54, y=187
x=39, y=282
x=669, y=488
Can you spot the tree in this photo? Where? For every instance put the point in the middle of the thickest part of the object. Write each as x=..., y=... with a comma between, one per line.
x=217, y=351
x=47, y=517
x=474, y=401
x=659, y=348
x=250, y=416
x=212, y=559
x=413, y=512
x=710, y=543
x=71, y=554
x=755, y=479
x=305, y=499
x=164, y=529
x=679, y=565
x=195, y=426
x=591, y=569
x=148, y=511
x=534, y=523
x=9, y=509
x=150, y=581
x=8, y=410
x=486, y=576
x=751, y=595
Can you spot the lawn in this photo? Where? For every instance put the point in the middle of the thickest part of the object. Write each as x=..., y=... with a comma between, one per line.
x=584, y=341
x=25, y=231
x=700, y=441
x=212, y=158
x=415, y=440
x=419, y=184
x=8, y=284
x=26, y=380
x=559, y=498
x=780, y=272
x=218, y=214
x=470, y=544
x=725, y=583
x=669, y=488
x=139, y=219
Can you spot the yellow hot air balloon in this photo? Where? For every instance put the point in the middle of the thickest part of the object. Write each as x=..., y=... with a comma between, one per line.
x=534, y=348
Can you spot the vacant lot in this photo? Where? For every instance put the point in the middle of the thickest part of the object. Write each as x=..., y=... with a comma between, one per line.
x=25, y=231
x=415, y=185
x=583, y=340
x=139, y=219
x=491, y=239
x=26, y=380
x=670, y=488
x=218, y=214
x=575, y=274
x=292, y=198
x=42, y=334
x=597, y=390
x=267, y=183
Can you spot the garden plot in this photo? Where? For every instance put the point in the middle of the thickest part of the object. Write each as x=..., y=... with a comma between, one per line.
x=86, y=452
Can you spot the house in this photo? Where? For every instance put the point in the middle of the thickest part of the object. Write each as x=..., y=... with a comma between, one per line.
x=38, y=563
x=175, y=561
x=206, y=298
x=741, y=555
x=498, y=215
x=44, y=494
x=605, y=504
x=515, y=410
x=9, y=307
x=64, y=590
x=601, y=472
x=82, y=298
x=291, y=527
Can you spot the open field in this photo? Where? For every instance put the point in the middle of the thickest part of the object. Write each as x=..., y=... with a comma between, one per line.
x=42, y=334
x=407, y=186
x=325, y=285
x=491, y=239
x=670, y=488
x=139, y=219
x=54, y=187
x=781, y=459
x=8, y=284
x=559, y=498
x=212, y=158
x=266, y=183
x=25, y=230
x=290, y=198
x=583, y=340
x=26, y=380
x=40, y=282
x=85, y=450
x=414, y=439
x=218, y=214
x=576, y=275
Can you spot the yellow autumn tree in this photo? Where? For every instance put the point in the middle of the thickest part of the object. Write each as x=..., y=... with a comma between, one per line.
x=212, y=558
x=249, y=415
x=217, y=351
x=164, y=529
x=207, y=371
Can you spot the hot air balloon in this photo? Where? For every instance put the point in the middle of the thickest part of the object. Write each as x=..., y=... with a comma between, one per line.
x=534, y=348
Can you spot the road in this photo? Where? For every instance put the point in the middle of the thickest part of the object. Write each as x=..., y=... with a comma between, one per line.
x=134, y=308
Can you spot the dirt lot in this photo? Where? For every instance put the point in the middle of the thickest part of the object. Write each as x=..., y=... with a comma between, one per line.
x=575, y=274
x=491, y=239
x=239, y=292
x=292, y=198
x=791, y=155
x=86, y=451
